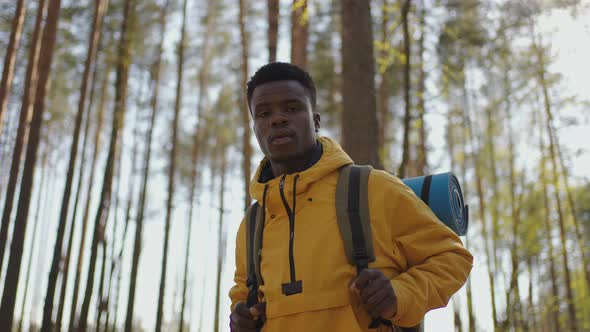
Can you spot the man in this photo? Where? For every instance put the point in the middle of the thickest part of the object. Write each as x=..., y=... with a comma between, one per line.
x=308, y=284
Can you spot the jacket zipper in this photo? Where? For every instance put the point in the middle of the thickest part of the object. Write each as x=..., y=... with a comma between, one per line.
x=295, y=286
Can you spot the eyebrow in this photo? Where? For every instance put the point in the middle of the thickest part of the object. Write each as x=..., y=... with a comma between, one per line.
x=288, y=101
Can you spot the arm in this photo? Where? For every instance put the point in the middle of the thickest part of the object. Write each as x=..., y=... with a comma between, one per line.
x=239, y=292
x=436, y=262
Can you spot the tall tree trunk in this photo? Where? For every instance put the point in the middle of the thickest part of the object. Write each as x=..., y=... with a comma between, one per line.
x=479, y=185
x=571, y=202
x=493, y=202
x=171, y=188
x=103, y=303
x=384, y=93
x=422, y=160
x=403, y=168
x=10, y=58
x=541, y=70
x=36, y=225
x=359, y=116
x=62, y=295
x=246, y=147
x=90, y=181
x=143, y=191
x=181, y=48
x=203, y=77
x=299, y=33
x=532, y=313
x=43, y=250
x=117, y=260
x=513, y=310
x=220, y=238
x=123, y=61
x=99, y=10
x=22, y=134
x=273, y=29
x=19, y=231
x=554, y=303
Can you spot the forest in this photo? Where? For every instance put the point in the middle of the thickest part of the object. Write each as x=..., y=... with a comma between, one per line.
x=126, y=147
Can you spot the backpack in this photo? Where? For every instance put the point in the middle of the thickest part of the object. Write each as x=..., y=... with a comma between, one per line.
x=352, y=210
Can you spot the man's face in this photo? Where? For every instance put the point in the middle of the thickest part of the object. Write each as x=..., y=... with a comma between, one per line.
x=284, y=122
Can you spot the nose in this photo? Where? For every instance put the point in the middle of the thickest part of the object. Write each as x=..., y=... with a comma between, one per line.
x=279, y=119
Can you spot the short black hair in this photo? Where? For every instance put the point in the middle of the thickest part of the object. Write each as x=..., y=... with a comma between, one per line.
x=281, y=71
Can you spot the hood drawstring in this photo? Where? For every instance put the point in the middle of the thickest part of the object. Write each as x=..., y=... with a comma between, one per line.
x=294, y=286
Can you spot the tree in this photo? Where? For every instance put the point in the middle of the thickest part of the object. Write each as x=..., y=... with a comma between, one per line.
x=171, y=174
x=22, y=134
x=156, y=71
x=100, y=8
x=97, y=143
x=123, y=60
x=359, y=116
x=299, y=33
x=403, y=168
x=273, y=29
x=10, y=57
x=246, y=146
x=19, y=231
x=34, y=241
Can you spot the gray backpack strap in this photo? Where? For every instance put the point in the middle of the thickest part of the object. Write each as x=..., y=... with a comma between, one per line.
x=352, y=210
x=252, y=280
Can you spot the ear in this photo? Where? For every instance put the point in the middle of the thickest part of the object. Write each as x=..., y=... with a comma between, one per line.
x=316, y=121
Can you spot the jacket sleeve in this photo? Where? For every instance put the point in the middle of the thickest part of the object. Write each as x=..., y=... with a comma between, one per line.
x=239, y=292
x=437, y=263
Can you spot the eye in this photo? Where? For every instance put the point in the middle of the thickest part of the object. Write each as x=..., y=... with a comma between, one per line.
x=262, y=114
x=293, y=108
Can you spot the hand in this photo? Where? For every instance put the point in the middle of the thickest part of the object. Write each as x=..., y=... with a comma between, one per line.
x=244, y=319
x=376, y=293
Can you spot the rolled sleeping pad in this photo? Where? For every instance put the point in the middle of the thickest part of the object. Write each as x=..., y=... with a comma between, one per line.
x=442, y=193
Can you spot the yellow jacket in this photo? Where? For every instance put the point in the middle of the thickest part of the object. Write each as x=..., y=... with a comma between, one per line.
x=424, y=259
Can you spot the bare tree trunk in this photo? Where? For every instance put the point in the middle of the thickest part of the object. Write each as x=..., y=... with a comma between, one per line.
x=403, y=168
x=19, y=231
x=36, y=225
x=299, y=33
x=143, y=191
x=181, y=49
x=476, y=148
x=90, y=180
x=532, y=313
x=246, y=147
x=171, y=184
x=383, y=90
x=579, y=231
x=573, y=324
x=22, y=134
x=10, y=57
x=99, y=10
x=422, y=159
x=62, y=295
x=273, y=29
x=123, y=59
x=220, y=238
x=117, y=261
x=359, y=117
x=554, y=303
x=100, y=301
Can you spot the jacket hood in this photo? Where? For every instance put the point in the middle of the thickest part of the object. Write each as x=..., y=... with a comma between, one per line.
x=333, y=158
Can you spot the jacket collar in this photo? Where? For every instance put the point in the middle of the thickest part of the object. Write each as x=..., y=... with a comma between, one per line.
x=327, y=157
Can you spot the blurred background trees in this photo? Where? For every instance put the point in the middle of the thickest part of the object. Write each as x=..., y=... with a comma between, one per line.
x=126, y=149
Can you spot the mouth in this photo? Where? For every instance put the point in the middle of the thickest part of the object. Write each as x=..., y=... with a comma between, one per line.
x=281, y=138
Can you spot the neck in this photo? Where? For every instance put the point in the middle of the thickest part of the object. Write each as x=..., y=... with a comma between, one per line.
x=297, y=164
